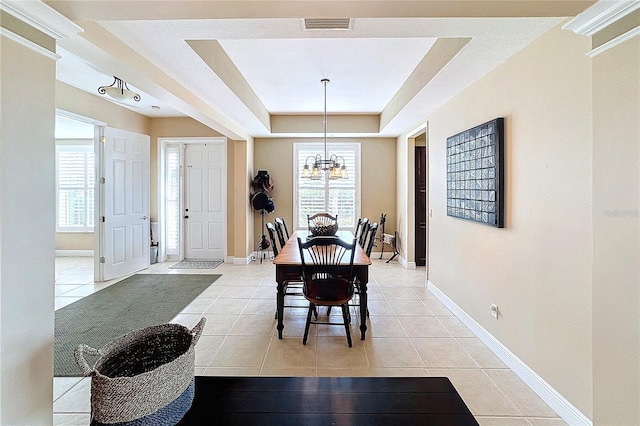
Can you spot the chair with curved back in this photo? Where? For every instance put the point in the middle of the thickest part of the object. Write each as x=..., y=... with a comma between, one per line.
x=271, y=230
x=280, y=233
x=360, y=227
x=293, y=282
x=356, y=230
x=371, y=239
x=321, y=220
x=323, y=283
x=365, y=232
x=279, y=221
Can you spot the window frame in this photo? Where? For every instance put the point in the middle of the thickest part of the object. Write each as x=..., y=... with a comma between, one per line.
x=85, y=146
x=178, y=150
x=318, y=147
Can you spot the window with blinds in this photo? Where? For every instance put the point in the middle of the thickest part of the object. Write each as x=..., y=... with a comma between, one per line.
x=75, y=184
x=338, y=197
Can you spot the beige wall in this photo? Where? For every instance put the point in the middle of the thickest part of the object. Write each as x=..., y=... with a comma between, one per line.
x=74, y=240
x=538, y=268
x=378, y=177
x=616, y=233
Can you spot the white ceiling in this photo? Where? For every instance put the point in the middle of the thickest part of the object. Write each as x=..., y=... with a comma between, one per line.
x=72, y=70
x=278, y=65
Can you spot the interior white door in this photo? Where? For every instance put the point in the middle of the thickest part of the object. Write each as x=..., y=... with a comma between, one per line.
x=124, y=203
x=205, y=194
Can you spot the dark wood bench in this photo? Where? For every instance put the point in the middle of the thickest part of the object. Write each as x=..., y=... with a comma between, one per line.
x=398, y=401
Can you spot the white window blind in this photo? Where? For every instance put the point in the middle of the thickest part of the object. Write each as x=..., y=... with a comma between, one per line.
x=75, y=185
x=337, y=197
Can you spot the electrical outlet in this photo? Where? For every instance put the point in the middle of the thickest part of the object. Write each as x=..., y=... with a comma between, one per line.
x=494, y=311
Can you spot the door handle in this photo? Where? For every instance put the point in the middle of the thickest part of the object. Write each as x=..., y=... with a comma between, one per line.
x=144, y=218
x=186, y=216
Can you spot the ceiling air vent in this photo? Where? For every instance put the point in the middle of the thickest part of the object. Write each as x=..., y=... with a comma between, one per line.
x=327, y=23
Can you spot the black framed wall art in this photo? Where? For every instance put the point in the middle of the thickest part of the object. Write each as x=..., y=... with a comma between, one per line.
x=475, y=174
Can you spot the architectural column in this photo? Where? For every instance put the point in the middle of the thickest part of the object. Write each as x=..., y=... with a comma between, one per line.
x=27, y=206
x=614, y=28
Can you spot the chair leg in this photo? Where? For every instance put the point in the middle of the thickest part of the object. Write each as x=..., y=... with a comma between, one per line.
x=345, y=315
x=328, y=310
x=312, y=308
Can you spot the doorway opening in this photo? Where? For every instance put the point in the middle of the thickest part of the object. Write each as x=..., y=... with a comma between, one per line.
x=192, y=199
x=75, y=198
x=419, y=194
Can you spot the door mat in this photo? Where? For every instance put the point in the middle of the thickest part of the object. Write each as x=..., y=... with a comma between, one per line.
x=196, y=264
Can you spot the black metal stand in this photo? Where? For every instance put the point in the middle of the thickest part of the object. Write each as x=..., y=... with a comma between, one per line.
x=263, y=251
x=392, y=240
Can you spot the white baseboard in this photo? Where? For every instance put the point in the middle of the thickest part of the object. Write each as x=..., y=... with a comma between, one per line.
x=241, y=260
x=544, y=390
x=74, y=253
x=406, y=264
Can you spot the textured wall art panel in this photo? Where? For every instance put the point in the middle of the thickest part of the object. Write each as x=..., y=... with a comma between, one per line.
x=475, y=174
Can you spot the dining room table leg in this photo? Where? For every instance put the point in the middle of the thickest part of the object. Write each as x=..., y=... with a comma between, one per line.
x=363, y=277
x=280, y=307
x=363, y=311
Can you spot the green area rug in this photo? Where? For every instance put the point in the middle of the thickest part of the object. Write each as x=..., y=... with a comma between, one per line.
x=133, y=303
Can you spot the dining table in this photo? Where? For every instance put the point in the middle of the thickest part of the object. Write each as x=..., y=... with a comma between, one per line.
x=288, y=263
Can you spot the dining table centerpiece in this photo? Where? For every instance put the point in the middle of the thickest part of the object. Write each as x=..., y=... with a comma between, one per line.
x=322, y=224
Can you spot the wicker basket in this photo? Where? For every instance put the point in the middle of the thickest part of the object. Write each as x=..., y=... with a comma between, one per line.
x=145, y=377
x=323, y=230
x=322, y=224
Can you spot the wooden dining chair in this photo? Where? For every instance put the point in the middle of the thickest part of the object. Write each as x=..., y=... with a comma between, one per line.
x=365, y=231
x=271, y=230
x=293, y=281
x=357, y=228
x=283, y=226
x=321, y=219
x=373, y=228
x=326, y=281
x=360, y=228
x=371, y=238
x=280, y=234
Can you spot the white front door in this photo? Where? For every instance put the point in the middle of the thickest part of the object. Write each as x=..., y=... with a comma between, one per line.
x=124, y=238
x=204, y=204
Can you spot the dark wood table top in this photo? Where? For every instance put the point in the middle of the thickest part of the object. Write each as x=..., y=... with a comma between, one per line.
x=290, y=253
x=327, y=401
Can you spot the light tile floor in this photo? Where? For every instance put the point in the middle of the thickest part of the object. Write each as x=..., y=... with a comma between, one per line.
x=410, y=334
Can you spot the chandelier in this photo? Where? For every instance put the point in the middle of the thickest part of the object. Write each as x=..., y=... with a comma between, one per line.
x=119, y=91
x=330, y=165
